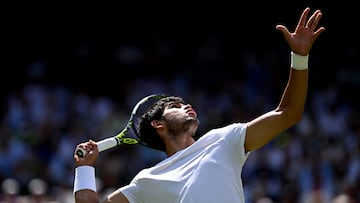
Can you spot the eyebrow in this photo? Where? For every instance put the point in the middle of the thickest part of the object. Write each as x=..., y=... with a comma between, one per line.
x=170, y=103
x=173, y=102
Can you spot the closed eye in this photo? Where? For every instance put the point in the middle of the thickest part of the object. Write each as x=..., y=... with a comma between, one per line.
x=174, y=105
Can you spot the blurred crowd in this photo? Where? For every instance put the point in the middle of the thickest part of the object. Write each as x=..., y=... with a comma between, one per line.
x=318, y=161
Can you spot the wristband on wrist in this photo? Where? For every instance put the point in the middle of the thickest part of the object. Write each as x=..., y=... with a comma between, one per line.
x=84, y=178
x=299, y=62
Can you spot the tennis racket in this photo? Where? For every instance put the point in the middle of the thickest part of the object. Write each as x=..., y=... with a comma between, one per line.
x=123, y=137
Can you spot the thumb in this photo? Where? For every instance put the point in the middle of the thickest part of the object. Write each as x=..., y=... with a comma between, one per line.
x=284, y=31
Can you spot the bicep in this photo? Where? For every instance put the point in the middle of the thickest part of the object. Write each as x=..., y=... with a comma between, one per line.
x=265, y=128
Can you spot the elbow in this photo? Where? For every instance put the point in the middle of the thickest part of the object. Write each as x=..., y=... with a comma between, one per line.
x=297, y=118
x=298, y=114
x=292, y=117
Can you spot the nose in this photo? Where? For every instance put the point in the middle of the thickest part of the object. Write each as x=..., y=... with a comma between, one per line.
x=187, y=106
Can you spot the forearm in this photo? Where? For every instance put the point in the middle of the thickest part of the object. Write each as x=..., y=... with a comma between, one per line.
x=291, y=106
x=294, y=96
x=86, y=196
x=85, y=185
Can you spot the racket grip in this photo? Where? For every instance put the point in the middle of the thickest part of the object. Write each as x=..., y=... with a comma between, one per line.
x=107, y=144
x=102, y=146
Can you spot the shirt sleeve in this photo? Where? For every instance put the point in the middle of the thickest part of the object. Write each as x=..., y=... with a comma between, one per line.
x=130, y=192
x=236, y=137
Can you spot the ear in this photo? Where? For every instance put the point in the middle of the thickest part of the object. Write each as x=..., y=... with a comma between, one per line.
x=157, y=124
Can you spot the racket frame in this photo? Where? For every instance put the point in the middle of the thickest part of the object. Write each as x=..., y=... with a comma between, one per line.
x=121, y=138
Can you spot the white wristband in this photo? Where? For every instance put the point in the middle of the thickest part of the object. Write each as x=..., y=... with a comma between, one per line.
x=299, y=62
x=84, y=178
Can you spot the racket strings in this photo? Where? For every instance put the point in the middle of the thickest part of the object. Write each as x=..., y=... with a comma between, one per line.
x=145, y=105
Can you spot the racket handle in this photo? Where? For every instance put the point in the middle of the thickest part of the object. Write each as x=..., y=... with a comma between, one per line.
x=102, y=146
x=107, y=144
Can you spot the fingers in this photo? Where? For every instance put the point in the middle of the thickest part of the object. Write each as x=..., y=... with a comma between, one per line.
x=92, y=143
x=284, y=31
x=313, y=23
x=318, y=32
x=303, y=17
x=85, y=148
x=314, y=20
x=89, y=150
x=305, y=33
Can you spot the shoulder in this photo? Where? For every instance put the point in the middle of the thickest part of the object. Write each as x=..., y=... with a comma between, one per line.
x=234, y=133
x=233, y=129
x=231, y=137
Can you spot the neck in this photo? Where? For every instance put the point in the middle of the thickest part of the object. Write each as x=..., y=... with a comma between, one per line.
x=178, y=143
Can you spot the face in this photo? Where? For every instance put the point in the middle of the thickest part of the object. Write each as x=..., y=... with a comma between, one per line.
x=180, y=118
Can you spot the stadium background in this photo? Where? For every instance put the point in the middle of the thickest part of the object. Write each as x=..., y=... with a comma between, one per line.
x=73, y=71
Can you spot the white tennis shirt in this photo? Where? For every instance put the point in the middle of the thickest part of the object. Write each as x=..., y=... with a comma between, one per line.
x=207, y=171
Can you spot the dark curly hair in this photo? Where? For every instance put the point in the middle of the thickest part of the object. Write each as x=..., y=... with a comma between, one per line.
x=147, y=133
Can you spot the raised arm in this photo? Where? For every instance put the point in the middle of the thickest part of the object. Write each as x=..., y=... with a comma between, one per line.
x=289, y=112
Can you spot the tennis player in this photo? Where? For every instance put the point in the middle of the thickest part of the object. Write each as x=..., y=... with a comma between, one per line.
x=207, y=169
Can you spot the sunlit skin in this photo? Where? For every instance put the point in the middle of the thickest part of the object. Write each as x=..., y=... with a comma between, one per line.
x=177, y=126
x=179, y=121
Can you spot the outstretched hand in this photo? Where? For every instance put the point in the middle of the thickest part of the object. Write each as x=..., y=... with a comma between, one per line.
x=305, y=34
